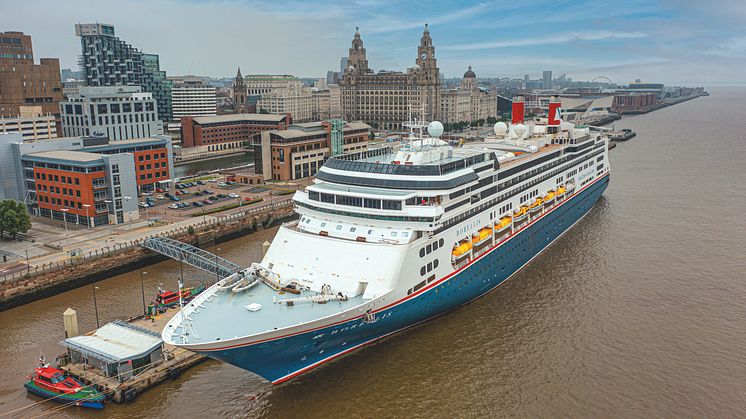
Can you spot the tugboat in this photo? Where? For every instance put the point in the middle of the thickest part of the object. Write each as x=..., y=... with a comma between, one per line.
x=51, y=383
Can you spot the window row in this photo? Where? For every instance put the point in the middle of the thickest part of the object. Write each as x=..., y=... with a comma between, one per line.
x=431, y=247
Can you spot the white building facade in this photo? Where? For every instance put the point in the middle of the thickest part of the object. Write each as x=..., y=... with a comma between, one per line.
x=116, y=112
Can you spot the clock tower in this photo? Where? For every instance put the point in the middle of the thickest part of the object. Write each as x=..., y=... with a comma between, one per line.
x=428, y=77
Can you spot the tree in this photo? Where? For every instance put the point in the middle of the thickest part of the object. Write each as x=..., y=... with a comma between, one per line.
x=264, y=111
x=491, y=120
x=13, y=218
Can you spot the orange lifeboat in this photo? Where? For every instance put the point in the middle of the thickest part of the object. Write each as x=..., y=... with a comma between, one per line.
x=481, y=236
x=461, y=249
x=503, y=224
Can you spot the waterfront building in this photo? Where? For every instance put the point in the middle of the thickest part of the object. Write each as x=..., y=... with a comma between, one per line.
x=301, y=149
x=23, y=83
x=225, y=132
x=107, y=60
x=117, y=112
x=634, y=102
x=469, y=102
x=335, y=101
x=190, y=96
x=87, y=180
x=32, y=124
x=385, y=99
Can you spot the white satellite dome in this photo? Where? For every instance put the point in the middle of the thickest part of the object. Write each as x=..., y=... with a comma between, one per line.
x=519, y=130
x=435, y=129
x=500, y=128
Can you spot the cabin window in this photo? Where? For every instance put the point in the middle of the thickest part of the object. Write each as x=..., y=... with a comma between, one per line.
x=422, y=271
x=422, y=252
x=339, y=227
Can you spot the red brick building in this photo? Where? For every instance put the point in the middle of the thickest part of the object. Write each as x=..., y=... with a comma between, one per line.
x=634, y=102
x=228, y=131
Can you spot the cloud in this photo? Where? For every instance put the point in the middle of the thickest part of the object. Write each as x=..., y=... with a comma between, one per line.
x=555, y=39
x=388, y=24
x=732, y=48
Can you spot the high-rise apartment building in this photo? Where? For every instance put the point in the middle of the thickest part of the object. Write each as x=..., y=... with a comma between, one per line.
x=23, y=83
x=386, y=98
x=106, y=60
x=116, y=112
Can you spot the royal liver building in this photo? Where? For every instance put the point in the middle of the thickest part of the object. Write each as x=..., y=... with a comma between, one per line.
x=385, y=99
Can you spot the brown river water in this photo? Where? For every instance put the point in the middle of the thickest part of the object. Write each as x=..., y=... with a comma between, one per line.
x=639, y=310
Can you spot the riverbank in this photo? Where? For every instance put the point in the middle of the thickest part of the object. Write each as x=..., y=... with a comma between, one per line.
x=26, y=286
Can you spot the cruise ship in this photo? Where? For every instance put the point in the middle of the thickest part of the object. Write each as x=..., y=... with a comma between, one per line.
x=396, y=236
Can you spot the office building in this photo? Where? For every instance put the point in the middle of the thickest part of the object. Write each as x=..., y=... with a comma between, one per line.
x=32, y=124
x=546, y=80
x=468, y=102
x=23, y=83
x=301, y=149
x=295, y=99
x=385, y=99
x=106, y=60
x=190, y=96
x=224, y=132
x=85, y=180
x=116, y=112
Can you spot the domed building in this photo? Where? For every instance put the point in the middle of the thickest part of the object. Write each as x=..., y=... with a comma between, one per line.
x=468, y=102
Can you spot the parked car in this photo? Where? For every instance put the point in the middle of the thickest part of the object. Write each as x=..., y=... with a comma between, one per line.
x=146, y=193
x=234, y=195
x=198, y=204
x=174, y=206
x=230, y=182
x=222, y=184
x=207, y=202
x=167, y=195
x=200, y=182
x=159, y=197
x=175, y=198
x=183, y=204
x=221, y=195
x=143, y=204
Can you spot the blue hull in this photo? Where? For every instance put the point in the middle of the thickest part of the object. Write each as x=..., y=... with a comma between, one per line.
x=281, y=359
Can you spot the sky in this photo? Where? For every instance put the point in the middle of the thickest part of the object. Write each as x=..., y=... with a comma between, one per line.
x=677, y=42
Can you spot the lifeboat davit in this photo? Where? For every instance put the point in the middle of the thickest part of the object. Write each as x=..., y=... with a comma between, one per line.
x=549, y=198
x=520, y=214
x=461, y=249
x=536, y=205
x=481, y=236
x=503, y=224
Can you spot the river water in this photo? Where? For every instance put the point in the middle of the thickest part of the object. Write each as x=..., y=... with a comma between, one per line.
x=639, y=310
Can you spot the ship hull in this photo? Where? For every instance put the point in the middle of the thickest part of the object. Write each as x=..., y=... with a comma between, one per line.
x=281, y=359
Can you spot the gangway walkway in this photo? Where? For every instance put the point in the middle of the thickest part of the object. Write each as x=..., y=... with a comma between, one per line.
x=193, y=256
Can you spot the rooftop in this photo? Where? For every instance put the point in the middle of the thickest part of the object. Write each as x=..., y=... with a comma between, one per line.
x=239, y=117
x=66, y=155
x=116, y=342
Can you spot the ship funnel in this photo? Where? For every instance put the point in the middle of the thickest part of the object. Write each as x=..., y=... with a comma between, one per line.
x=554, y=118
x=517, y=110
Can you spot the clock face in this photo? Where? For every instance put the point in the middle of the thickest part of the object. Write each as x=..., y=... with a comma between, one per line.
x=424, y=55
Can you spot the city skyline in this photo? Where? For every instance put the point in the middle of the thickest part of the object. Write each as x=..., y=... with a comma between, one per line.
x=671, y=42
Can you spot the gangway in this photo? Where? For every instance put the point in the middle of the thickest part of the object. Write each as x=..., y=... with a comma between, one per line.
x=191, y=255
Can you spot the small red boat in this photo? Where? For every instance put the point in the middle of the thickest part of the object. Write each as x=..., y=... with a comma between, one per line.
x=51, y=383
x=171, y=298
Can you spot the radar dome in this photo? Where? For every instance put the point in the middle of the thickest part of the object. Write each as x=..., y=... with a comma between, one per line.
x=500, y=128
x=435, y=129
x=519, y=130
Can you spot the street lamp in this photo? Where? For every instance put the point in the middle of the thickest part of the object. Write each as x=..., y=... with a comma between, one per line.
x=142, y=287
x=88, y=218
x=28, y=267
x=108, y=213
x=95, y=306
x=64, y=219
